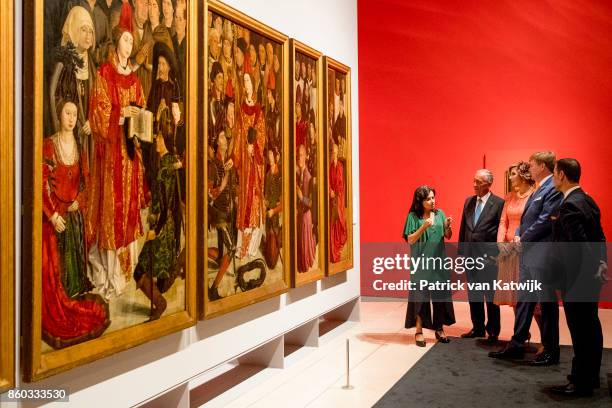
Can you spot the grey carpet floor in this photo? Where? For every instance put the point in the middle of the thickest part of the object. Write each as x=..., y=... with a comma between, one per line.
x=460, y=374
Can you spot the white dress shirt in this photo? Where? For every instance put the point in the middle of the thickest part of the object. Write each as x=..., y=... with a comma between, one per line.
x=569, y=191
x=484, y=199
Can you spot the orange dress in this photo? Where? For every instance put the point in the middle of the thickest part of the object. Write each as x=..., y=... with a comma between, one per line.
x=508, y=265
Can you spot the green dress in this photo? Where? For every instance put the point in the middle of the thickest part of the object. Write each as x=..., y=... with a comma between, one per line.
x=429, y=245
x=423, y=302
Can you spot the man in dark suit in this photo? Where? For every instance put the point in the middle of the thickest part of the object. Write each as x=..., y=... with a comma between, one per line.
x=535, y=235
x=583, y=259
x=477, y=238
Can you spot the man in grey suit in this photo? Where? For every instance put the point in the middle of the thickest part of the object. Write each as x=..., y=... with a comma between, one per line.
x=477, y=238
x=535, y=234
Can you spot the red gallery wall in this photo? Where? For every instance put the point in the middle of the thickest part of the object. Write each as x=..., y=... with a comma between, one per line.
x=444, y=83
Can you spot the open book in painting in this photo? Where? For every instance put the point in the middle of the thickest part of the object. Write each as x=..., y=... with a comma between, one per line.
x=141, y=126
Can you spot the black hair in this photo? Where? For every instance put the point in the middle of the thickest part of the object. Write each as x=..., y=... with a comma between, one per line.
x=215, y=70
x=59, y=107
x=571, y=168
x=420, y=195
x=311, y=117
x=66, y=84
x=241, y=45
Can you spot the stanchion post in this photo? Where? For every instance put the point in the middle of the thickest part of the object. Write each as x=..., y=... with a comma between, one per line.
x=348, y=385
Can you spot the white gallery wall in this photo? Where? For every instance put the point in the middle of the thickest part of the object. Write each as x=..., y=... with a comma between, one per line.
x=144, y=372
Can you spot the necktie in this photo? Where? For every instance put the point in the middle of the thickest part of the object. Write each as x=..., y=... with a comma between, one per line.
x=478, y=210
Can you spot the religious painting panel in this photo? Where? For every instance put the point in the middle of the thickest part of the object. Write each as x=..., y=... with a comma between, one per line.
x=308, y=232
x=339, y=192
x=246, y=247
x=109, y=177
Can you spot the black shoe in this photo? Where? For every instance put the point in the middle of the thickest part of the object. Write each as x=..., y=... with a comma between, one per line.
x=570, y=390
x=442, y=339
x=491, y=340
x=509, y=353
x=545, y=359
x=420, y=343
x=472, y=334
x=596, y=385
x=213, y=294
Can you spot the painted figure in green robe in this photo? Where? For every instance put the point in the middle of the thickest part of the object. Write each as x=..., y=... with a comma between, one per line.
x=158, y=263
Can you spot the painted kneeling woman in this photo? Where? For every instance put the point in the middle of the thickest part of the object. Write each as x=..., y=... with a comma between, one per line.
x=69, y=316
x=158, y=264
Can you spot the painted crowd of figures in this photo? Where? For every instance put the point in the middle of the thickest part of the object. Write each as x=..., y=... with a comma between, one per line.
x=338, y=146
x=307, y=153
x=244, y=153
x=113, y=206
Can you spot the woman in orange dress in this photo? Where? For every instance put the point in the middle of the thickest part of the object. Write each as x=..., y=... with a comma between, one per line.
x=522, y=186
x=508, y=260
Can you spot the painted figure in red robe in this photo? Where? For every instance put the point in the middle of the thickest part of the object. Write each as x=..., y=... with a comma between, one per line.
x=337, y=199
x=118, y=189
x=249, y=162
x=69, y=314
x=306, y=244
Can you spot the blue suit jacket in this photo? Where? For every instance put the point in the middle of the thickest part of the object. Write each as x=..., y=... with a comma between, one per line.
x=536, y=224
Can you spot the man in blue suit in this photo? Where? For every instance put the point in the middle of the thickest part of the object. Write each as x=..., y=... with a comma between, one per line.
x=535, y=235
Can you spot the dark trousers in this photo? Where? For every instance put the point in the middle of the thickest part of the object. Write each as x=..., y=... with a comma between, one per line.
x=478, y=298
x=587, y=339
x=549, y=322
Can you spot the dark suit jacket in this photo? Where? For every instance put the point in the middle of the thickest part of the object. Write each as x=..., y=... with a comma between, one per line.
x=485, y=230
x=580, y=244
x=536, y=225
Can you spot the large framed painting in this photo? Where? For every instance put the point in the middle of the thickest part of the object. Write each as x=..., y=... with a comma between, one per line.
x=7, y=221
x=306, y=158
x=109, y=177
x=246, y=227
x=339, y=191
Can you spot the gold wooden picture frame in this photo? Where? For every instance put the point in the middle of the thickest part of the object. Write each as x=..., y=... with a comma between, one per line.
x=7, y=185
x=173, y=180
x=306, y=141
x=245, y=253
x=338, y=166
